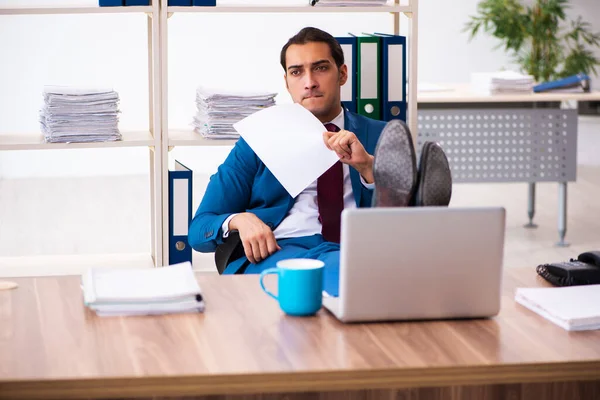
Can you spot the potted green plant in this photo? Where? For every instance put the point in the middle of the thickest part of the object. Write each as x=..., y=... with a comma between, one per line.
x=541, y=40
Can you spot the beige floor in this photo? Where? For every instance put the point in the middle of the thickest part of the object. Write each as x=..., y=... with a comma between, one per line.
x=86, y=217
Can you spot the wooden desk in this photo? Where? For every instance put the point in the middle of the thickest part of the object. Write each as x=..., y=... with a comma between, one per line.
x=51, y=346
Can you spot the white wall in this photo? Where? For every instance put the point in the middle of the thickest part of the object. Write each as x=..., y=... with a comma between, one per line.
x=231, y=50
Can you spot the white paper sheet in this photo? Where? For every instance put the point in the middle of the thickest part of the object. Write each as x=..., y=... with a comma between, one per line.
x=289, y=140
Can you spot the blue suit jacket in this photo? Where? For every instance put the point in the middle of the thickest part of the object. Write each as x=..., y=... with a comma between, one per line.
x=244, y=184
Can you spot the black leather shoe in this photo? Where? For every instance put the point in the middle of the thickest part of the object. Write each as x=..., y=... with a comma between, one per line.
x=394, y=166
x=434, y=186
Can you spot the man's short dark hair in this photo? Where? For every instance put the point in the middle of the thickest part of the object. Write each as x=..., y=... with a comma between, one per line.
x=310, y=34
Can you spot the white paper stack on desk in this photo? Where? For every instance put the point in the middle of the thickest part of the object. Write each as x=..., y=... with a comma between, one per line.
x=502, y=82
x=219, y=110
x=150, y=291
x=574, y=308
x=79, y=115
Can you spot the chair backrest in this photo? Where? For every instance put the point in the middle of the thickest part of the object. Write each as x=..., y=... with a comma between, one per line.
x=230, y=250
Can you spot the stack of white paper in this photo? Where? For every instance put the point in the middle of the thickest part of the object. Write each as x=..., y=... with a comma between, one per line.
x=72, y=115
x=219, y=110
x=574, y=308
x=502, y=82
x=165, y=290
x=350, y=3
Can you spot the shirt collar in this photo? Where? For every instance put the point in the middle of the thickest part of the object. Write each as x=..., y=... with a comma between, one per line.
x=339, y=120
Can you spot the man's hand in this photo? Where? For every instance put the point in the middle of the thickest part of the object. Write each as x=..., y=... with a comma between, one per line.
x=257, y=238
x=350, y=151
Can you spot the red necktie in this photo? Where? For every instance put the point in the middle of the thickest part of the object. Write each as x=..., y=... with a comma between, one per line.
x=330, y=198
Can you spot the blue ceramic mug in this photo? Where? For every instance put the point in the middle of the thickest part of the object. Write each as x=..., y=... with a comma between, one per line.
x=300, y=285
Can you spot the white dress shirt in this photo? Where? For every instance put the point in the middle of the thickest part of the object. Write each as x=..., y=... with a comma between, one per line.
x=303, y=217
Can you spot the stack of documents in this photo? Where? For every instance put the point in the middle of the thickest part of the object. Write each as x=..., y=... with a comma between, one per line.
x=502, y=82
x=574, y=308
x=72, y=115
x=219, y=110
x=165, y=290
x=348, y=3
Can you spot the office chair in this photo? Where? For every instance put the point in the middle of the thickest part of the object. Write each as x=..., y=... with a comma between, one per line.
x=230, y=250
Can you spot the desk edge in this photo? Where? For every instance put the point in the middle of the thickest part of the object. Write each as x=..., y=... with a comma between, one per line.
x=313, y=381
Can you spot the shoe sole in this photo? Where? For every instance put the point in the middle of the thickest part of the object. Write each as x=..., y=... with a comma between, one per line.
x=435, y=177
x=394, y=166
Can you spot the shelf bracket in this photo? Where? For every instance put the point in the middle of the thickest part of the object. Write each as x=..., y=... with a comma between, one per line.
x=408, y=14
x=149, y=15
x=169, y=14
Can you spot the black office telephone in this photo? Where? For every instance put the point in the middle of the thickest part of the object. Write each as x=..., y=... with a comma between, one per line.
x=585, y=270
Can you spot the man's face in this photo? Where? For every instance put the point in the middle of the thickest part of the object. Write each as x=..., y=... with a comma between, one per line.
x=313, y=79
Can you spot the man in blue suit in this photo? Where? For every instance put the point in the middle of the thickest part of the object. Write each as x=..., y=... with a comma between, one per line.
x=244, y=196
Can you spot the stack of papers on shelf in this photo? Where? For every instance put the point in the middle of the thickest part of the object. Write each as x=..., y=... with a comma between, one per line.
x=165, y=290
x=72, y=115
x=219, y=110
x=347, y=3
x=502, y=82
x=574, y=308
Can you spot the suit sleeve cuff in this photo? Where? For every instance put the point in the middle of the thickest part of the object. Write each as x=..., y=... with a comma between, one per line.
x=225, y=226
x=369, y=186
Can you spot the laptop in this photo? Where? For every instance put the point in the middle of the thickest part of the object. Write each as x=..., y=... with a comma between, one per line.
x=419, y=263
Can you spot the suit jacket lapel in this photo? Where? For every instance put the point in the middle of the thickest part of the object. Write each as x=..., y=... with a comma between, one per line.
x=359, y=128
